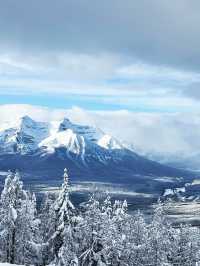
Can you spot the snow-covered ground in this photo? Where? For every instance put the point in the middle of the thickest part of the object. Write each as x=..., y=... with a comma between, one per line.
x=104, y=187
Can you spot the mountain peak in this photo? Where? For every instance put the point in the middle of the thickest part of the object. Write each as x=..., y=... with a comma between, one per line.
x=90, y=133
x=65, y=124
x=27, y=121
x=27, y=118
x=28, y=136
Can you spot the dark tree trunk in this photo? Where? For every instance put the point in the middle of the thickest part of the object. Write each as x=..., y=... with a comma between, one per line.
x=12, y=250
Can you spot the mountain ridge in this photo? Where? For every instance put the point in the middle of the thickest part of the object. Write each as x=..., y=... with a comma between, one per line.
x=42, y=150
x=27, y=135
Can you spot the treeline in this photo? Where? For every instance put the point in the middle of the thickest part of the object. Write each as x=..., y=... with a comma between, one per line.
x=98, y=233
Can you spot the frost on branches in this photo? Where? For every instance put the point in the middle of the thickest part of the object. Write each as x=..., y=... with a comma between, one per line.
x=18, y=223
x=98, y=233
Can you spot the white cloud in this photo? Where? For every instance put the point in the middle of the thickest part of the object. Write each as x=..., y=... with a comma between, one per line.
x=62, y=65
x=108, y=77
x=156, y=72
x=9, y=113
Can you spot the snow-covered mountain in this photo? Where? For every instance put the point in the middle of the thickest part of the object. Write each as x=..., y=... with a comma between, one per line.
x=26, y=136
x=42, y=149
x=22, y=136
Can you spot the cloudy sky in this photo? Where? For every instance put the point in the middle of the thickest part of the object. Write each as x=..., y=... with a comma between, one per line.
x=133, y=58
x=101, y=55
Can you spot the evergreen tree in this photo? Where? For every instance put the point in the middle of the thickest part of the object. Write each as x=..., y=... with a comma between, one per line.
x=159, y=237
x=63, y=211
x=28, y=245
x=17, y=221
x=91, y=230
x=47, y=228
x=135, y=245
x=101, y=232
x=184, y=246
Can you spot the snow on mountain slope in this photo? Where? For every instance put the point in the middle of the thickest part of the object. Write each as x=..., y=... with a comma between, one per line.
x=23, y=137
x=88, y=132
x=27, y=136
x=41, y=149
x=109, y=142
x=68, y=139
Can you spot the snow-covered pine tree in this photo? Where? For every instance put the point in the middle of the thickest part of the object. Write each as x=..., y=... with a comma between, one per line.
x=134, y=247
x=100, y=237
x=117, y=233
x=64, y=211
x=68, y=254
x=159, y=232
x=28, y=246
x=47, y=227
x=90, y=231
x=17, y=221
x=184, y=248
x=7, y=221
